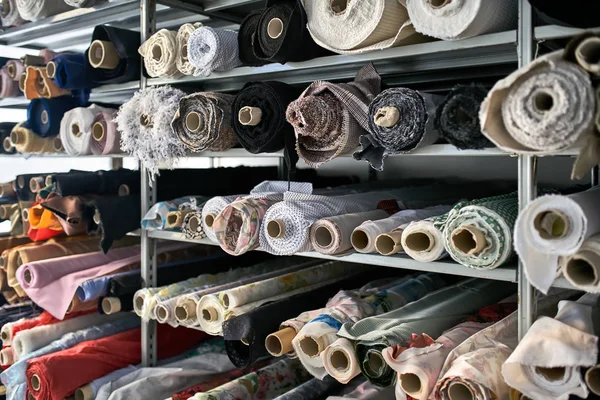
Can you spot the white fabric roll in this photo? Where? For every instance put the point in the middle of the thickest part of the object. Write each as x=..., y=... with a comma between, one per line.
x=76, y=129
x=160, y=54
x=7, y=333
x=455, y=20
x=213, y=50
x=553, y=226
x=183, y=35
x=211, y=209
x=582, y=268
x=10, y=15
x=341, y=372
x=33, y=10
x=431, y=253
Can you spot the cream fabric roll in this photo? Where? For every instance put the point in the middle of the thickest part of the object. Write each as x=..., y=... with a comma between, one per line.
x=33, y=10
x=26, y=141
x=160, y=54
x=76, y=129
x=455, y=20
x=424, y=241
x=582, y=268
x=553, y=226
x=182, y=61
x=344, y=371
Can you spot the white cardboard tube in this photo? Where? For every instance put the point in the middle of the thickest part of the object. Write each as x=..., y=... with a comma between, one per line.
x=103, y=54
x=210, y=314
x=280, y=342
x=17, y=137
x=250, y=116
x=111, y=305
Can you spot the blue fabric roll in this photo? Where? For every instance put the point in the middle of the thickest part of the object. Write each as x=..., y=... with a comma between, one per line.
x=95, y=288
x=113, y=376
x=55, y=108
x=73, y=72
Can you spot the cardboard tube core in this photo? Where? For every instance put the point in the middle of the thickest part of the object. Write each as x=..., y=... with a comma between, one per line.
x=84, y=393
x=25, y=214
x=36, y=184
x=194, y=224
x=6, y=189
x=138, y=303
x=226, y=300
x=210, y=314
x=339, y=6
x=551, y=224
x=339, y=360
x=146, y=120
x=389, y=243
x=44, y=117
x=592, y=378
x=17, y=137
x=275, y=28
x=543, y=101
x=75, y=131
x=551, y=374
x=588, y=54
x=194, y=122
x=172, y=219
x=7, y=144
x=98, y=131
x=359, y=239
x=387, y=117
x=411, y=384
x=250, y=116
x=185, y=311
x=157, y=52
x=103, y=54
x=35, y=382
x=375, y=363
x=324, y=236
x=280, y=342
x=11, y=69
x=458, y=391
x=123, y=190
x=310, y=346
x=51, y=69
x=57, y=145
x=469, y=240
x=209, y=220
x=420, y=241
x=161, y=313
x=583, y=268
x=439, y=3
x=22, y=79
x=276, y=228
x=111, y=305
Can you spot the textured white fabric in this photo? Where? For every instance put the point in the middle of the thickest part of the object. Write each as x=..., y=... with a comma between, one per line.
x=567, y=341
x=455, y=20
x=160, y=54
x=10, y=14
x=183, y=35
x=76, y=129
x=7, y=333
x=213, y=50
x=33, y=10
x=436, y=238
x=81, y=3
x=212, y=208
x=582, y=268
x=538, y=250
x=345, y=373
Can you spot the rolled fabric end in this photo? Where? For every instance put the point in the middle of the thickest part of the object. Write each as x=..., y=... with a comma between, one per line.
x=146, y=120
x=84, y=393
x=359, y=239
x=387, y=117
x=551, y=224
x=49, y=177
x=6, y=190
x=27, y=276
x=98, y=131
x=210, y=314
x=249, y=116
x=124, y=190
x=194, y=223
x=194, y=121
x=7, y=145
x=17, y=137
x=138, y=303
x=111, y=305
x=75, y=129
x=410, y=384
x=44, y=117
x=375, y=363
x=592, y=379
x=419, y=241
x=389, y=243
x=276, y=228
x=280, y=342
x=583, y=268
x=587, y=54
x=162, y=313
x=324, y=236
x=469, y=240
x=175, y=218
x=459, y=391
x=58, y=147
x=36, y=184
x=209, y=220
x=275, y=28
x=22, y=79
x=7, y=357
x=11, y=68
x=25, y=214
x=311, y=346
x=35, y=382
x=103, y=54
x=551, y=374
x=51, y=69
x=29, y=59
x=186, y=311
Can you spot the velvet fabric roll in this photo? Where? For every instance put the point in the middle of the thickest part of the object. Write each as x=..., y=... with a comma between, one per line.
x=182, y=60
x=10, y=14
x=24, y=140
x=44, y=115
x=160, y=54
x=39, y=85
x=579, y=14
x=105, y=183
x=126, y=44
x=457, y=117
x=329, y=118
x=118, y=215
x=213, y=50
x=203, y=121
x=105, y=136
x=8, y=87
x=76, y=129
x=400, y=121
x=5, y=129
x=246, y=36
x=72, y=71
x=33, y=10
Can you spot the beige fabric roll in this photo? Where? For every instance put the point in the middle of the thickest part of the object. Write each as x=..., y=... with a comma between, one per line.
x=182, y=61
x=160, y=54
x=26, y=141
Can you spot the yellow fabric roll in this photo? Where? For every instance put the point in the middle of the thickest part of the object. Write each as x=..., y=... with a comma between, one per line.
x=40, y=218
x=26, y=141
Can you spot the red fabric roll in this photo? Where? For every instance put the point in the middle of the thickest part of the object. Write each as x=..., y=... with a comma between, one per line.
x=39, y=235
x=43, y=319
x=60, y=373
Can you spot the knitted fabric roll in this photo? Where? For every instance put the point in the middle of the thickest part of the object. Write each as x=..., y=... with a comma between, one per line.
x=105, y=136
x=182, y=61
x=44, y=115
x=81, y=3
x=203, y=121
x=354, y=28
x=76, y=129
x=160, y=54
x=246, y=36
x=329, y=118
x=455, y=21
x=400, y=121
x=38, y=84
x=213, y=50
x=211, y=209
x=457, y=117
x=10, y=15
x=582, y=268
x=145, y=126
x=33, y=10
x=73, y=72
x=8, y=87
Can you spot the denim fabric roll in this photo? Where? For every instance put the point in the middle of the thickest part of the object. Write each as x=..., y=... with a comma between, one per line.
x=213, y=50
x=105, y=135
x=10, y=14
x=71, y=71
x=34, y=10
x=113, y=55
x=44, y=115
x=246, y=36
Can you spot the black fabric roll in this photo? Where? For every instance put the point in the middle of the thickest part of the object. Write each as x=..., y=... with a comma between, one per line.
x=577, y=13
x=99, y=182
x=5, y=129
x=457, y=117
x=119, y=215
x=294, y=43
x=126, y=43
x=246, y=35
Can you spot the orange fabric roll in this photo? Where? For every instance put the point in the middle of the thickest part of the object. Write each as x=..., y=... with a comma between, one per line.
x=38, y=84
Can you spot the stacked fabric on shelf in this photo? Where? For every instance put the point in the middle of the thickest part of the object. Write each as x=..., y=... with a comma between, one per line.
x=44, y=116
x=169, y=215
x=39, y=85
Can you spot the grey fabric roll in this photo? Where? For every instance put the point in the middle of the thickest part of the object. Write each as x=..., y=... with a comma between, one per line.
x=213, y=50
x=33, y=10
x=10, y=14
x=81, y=3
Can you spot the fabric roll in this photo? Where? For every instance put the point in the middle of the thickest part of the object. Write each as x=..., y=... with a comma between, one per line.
x=105, y=136
x=578, y=14
x=36, y=10
x=354, y=28
x=43, y=224
x=365, y=235
x=9, y=330
x=453, y=21
x=44, y=115
x=145, y=126
x=457, y=117
x=332, y=235
x=341, y=371
x=400, y=121
x=15, y=68
x=312, y=389
x=246, y=35
x=553, y=226
x=118, y=215
x=76, y=129
x=213, y=50
x=580, y=51
x=203, y=121
x=5, y=130
x=190, y=228
x=71, y=71
x=95, y=288
x=581, y=268
x=10, y=15
x=480, y=236
x=106, y=183
x=156, y=217
x=94, y=386
x=9, y=87
x=160, y=54
x=81, y=3
x=182, y=60
x=281, y=35
x=25, y=140
x=39, y=85
x=211, y=209
x=329, y=118
x=125, y=43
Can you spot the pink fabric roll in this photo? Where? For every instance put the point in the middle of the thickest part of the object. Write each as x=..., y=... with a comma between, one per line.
x=108, y=143
x=18, y=67
x=8, y=87
x=47, y=55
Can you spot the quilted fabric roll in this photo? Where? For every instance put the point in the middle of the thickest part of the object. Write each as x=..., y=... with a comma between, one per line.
x=246, y=36
x=145, y=126
x=8, y=87
x=203, y=121
x=71, y=71
x=10, y=14
x=213, y=50
x=44, y=115
x=105, y=136
x=357, y=27
x=400, y=121
x=448, y=20
x=76, y=129
x=457, y=117
x=211, y=209
x=329, y=118
x=38, y=84
x=182, y=61
x=81, y=3
x=160, y=54
x=553, y=226
x=33, y=10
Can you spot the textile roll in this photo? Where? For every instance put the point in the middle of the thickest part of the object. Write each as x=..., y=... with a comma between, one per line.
x=118, y=216
x=563, y=346
x=400, y=121
x=581, y=50
x=145, y=126
x=107, y=183
x=113, y=54
x=10, y=15
x=44, y=115
x=246, y=35
x=39, y=85
x=81, y=3
x=553, y=226
x=332, y=235
x=71, y=71
x=191, y=225
x=366, y=236
x=106, y=137
x=281, y=34
x=423, y=240
x=90, y=391
x=339, y=361
x=457, y=117
x=5, y=130
x=582, y=268
x=354, y=28
x=213, y=50
x=160, y=54
x=76, y=129
x=15, y=68
x=25, y=140
x=480, y=235
x=34, y=10
x=182, y=61
x=203, y=121
x=12, y=328
x=329, y=118
x=211, y=209
x=156, y=217
x=448, y=20
x=8, y=87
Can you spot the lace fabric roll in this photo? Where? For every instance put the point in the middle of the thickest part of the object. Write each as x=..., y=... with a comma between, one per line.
x=211, y=209
x=203, y=121
x=105, y=136
x=400, y=121
x=457, y=117
x=8, y=87
x=213, y=50
x=553, y=226
x=449, y=20
x=246, y=36
x=125, y=43
x=33, y=10
x=76, y=129
x=10, y=15
x=182, y=60
x=44, y=115
x=160, y=54
x=38, y=84
x=329, y=118
x=145, y=126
